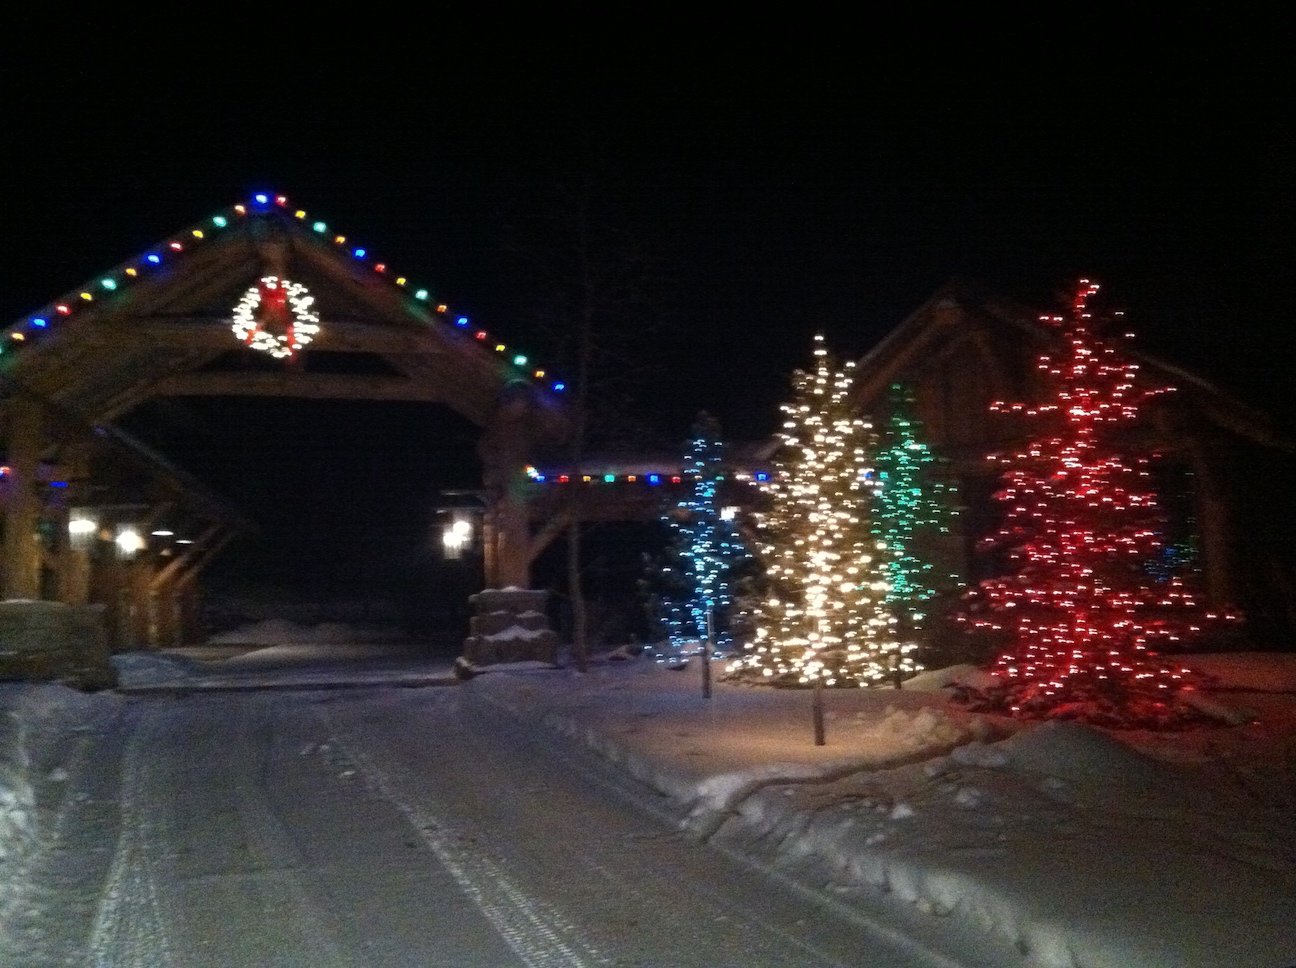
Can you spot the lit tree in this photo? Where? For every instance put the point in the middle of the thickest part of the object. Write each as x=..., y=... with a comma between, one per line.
x=912, y=515
x=708, y=550
x=1080, y=613
x=823, y=616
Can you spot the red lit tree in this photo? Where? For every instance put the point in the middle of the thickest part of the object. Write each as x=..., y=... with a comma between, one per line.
x=1080, y=613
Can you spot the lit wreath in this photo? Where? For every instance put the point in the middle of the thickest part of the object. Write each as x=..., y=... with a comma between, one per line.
x=275, y=316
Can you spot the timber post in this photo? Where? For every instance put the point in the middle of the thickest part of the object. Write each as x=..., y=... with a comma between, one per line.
x=505, y=447
x=22, y=558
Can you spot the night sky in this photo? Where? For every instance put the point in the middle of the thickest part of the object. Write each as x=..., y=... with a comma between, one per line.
x=775, y=184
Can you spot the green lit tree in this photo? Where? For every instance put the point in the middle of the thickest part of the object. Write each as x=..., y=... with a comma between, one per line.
x=823, y=617
x=913, y=513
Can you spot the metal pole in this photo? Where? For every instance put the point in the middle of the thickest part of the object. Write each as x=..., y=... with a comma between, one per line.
x=706, y=656
x=817, y=706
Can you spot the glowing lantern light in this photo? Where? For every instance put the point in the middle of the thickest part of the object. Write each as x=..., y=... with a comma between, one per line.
x=456, y=536
x=129, y=541
x=82, y=527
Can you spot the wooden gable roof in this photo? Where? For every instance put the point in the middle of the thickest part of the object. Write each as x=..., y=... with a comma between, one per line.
x=967, y=346
x=160, y=324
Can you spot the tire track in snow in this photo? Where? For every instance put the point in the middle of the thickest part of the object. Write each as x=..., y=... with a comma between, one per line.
x=135, y=926
x=129, y=928
x=279, y=861
x=535, y=932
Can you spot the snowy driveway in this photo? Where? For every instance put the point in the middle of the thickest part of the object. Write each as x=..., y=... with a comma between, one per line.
x=389, y=827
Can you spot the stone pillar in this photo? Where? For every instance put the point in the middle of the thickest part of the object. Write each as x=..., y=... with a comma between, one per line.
x=510, y=625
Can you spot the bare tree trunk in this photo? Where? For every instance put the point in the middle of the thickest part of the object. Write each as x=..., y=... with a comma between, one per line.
x=576, y=592
x=575, y=584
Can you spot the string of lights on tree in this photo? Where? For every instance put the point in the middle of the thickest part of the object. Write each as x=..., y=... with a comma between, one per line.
x=708, y=548
x=98, y=291
x=912, y=514
x=1078, y=617
x=823, y=615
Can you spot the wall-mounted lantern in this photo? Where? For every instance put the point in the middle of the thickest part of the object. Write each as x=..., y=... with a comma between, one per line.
x=129, y=541
x=83, y=529
x=456, y=536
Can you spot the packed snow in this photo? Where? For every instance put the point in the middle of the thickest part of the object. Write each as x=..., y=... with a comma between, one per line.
x=1066, y=845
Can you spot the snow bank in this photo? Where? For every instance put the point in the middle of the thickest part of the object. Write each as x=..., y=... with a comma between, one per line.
x=39, y=724
x=1042, y=845
x=278, y=631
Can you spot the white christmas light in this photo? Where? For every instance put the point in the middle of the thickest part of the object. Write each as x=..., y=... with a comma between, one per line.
x=275, y=317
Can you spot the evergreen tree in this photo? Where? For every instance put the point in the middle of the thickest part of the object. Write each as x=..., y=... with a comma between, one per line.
x=1079, y=613
x=823, y=615
x=912, y=517
x=708, y=550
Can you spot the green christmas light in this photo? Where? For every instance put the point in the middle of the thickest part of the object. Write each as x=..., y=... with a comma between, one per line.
x=911, y=512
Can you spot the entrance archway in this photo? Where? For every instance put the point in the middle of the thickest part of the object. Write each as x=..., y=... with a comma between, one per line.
x=260, y=300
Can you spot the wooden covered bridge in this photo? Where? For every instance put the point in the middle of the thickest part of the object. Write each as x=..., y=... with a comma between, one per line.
x=93, y=518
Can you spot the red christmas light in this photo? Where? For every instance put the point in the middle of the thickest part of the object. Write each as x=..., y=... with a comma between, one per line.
x=1080, y=614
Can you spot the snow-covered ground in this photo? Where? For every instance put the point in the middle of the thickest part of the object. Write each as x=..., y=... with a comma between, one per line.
x=1069, y=845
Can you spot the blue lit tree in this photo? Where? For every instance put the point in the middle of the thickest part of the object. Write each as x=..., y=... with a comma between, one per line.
x=707, y=549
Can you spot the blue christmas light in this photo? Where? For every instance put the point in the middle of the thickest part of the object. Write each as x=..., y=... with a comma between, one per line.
x=706, y=550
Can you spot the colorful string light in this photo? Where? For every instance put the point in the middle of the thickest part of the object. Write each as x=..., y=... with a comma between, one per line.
x=114, y=282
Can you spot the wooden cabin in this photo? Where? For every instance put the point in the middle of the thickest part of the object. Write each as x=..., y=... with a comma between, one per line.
x=1224, y=472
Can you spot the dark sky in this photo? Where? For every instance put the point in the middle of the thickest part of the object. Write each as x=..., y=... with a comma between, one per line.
x=782, y=180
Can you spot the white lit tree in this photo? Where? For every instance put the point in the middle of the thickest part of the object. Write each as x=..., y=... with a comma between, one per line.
x=823, y=618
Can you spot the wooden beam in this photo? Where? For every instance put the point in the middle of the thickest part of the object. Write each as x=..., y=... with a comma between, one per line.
x=335, y=335
x=193, y=553
x=203, y=559
x=312, y=386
